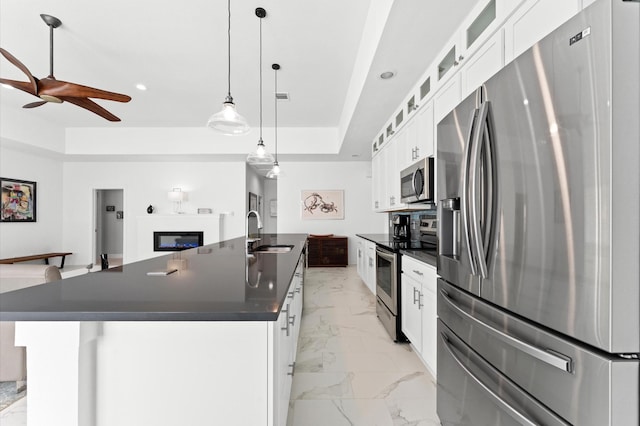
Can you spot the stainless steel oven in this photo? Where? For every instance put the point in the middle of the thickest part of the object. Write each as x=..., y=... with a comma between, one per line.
x=387, y=307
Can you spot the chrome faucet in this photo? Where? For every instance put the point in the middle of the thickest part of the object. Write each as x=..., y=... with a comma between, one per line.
x=250, y=241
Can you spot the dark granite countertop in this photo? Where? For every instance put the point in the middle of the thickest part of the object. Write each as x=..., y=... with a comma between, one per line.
x=217, y=282
x=382, y=239
x=424, y=254
x=429, y=257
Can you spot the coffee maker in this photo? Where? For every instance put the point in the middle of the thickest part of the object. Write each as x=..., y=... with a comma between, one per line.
x=400, y=227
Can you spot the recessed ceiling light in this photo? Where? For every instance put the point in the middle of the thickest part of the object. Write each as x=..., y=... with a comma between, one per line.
x=387, y=75
x=355, y=155
x=141, y=86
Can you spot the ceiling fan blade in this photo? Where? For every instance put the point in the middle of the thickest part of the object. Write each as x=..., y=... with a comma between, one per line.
x=58, y=88
x=91, y=106
x=34, y=104
x=25, y=86
x=23, y=68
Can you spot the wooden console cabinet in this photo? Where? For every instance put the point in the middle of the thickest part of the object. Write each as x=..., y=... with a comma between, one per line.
x=328, y=251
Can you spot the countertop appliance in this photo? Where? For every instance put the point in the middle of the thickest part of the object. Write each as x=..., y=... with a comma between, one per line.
x=538, y=239
x=400, y=227
x=428, y=231
x=416, y=182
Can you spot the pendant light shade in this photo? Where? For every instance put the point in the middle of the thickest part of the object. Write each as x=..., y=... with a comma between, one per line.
x=228, y=121
x=275, y=171
x=260, y=155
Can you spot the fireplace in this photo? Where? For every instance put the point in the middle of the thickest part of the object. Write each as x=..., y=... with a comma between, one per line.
x=177, y=240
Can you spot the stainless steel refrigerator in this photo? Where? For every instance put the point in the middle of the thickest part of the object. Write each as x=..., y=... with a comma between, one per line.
x=538, y=177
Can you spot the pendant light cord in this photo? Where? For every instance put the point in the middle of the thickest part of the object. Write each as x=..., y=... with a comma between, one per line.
x=260, y=79
x=229, y=49
x=275, y=97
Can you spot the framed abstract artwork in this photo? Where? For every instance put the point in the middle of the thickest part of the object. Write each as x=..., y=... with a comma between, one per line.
x=323, y=204
x=18, y=200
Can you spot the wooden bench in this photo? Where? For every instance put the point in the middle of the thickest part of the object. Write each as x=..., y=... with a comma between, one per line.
x=45, y=256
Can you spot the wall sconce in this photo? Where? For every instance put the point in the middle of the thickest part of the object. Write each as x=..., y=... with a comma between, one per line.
x=177, y=196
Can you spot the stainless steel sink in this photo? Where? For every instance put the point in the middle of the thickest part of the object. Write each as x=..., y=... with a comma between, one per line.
x=275, y=248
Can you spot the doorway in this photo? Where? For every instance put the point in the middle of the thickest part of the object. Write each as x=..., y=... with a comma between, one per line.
x=108, y=244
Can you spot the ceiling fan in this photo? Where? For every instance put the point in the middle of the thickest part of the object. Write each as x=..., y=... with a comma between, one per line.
x=49, y=89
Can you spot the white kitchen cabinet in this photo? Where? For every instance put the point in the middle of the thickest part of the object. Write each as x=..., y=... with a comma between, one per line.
x=360, y=259
x=411, y=314
x=424, y=131
x=370, y=251
x=419, y=313
x=376, y=182
x=286, y=335
x=406, y=145
x=486, y=61
x=387, y=180
x=393, y=171
x=382, y=180
x=367, y=263
x=533, y=21
x=284, y=365
x=416, y=137
x=446, y=99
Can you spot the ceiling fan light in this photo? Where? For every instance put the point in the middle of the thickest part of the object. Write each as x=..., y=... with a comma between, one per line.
x=50, y=98
x=228, y=121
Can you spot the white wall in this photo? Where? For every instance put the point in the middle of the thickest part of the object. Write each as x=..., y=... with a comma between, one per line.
x=45, y=235
x=269, y=222
x=353, y=177
x=220, y=186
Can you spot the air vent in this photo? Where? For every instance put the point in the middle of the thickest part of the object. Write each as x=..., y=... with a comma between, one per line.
x=282, y=96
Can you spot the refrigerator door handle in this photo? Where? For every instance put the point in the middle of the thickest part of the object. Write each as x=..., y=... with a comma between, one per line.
x=552, y=358
x=515, y=414
x=491, y=184
x=464, y=200
x=476, y=150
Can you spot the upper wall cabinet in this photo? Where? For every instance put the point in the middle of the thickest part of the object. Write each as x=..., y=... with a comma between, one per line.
x=487, y=61
x=446, y=98
x=424, y=131
x=534, y=20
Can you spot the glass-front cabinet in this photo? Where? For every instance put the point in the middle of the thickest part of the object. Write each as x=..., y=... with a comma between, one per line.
x=493, y=33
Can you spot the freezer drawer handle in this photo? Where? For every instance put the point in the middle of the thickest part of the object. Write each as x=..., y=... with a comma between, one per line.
x=552, y=358
x=517, y=416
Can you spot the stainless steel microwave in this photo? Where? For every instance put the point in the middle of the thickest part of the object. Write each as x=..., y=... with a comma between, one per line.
x=416, y=182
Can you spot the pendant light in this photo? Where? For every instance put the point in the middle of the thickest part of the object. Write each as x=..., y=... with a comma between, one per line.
x=228, y=121
x=275, y=171
x=260, y=156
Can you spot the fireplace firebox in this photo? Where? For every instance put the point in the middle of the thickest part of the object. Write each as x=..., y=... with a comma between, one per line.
x=177, y=240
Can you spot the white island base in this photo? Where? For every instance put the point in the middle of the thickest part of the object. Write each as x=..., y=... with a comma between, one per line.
x=152, y=373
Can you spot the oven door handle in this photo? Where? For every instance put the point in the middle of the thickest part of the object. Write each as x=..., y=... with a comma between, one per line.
x=385, y=254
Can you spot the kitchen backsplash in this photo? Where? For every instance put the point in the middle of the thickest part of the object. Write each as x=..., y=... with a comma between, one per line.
x=415, y=218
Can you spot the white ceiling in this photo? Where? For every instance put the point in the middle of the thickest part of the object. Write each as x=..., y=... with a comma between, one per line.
x=179, y=51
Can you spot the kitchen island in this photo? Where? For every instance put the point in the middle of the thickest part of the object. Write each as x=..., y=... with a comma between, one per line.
x=213, y=343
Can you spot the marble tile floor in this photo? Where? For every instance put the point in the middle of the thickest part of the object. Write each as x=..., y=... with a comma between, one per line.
x=348, y=370
x=15, y=414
